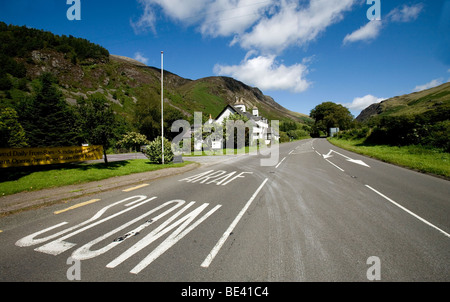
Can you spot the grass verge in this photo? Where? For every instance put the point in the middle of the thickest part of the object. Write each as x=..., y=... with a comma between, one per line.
x=419, y=158
x=15, y=180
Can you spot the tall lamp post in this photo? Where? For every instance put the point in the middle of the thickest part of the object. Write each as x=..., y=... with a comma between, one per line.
x=162, y=105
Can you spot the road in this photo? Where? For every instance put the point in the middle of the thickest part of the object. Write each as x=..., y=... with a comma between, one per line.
x=320, y=214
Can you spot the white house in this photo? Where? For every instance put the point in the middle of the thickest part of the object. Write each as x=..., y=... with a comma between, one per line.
x=261, y=129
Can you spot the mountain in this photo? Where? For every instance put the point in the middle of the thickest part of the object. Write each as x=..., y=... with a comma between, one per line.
x=82, y=68
x=207, y=95
x=434, y=99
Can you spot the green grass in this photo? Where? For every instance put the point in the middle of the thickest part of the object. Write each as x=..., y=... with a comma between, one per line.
x=422, y=159
x=15, y=180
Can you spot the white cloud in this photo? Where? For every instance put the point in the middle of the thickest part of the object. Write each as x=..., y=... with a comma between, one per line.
x=264, y=28
x=213, y=17
x=406, y=13
x=266, y=73
x=367, y=32
x=227, y=17
x=372, y=29
x=184, y=10
x=291, y=24
x=362, y=103
x=270, y=25
x=431, y=84
x=139, y=57
x=146, y=21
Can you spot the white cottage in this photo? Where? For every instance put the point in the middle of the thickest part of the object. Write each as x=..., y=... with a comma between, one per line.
x=261, y=131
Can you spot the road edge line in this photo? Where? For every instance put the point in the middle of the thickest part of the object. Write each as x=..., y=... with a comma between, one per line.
x=409, y=212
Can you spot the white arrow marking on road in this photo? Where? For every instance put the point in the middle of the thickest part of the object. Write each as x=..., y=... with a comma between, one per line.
x=326, y=156
x=359, y=162
x=355, y=161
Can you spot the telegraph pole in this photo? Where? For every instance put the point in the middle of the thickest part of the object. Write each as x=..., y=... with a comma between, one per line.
x=162, y=105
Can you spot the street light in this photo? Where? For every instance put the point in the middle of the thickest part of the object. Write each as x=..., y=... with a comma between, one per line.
x=162, y=105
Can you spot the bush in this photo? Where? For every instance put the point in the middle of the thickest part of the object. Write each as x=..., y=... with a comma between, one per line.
x=284, y=137
x=5, y=82
x=439, y=136
x=298, y=134
x=132, y=141
x=353, y=134
x=154, y=154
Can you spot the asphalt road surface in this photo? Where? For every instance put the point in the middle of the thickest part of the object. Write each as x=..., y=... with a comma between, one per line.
x=318, y=214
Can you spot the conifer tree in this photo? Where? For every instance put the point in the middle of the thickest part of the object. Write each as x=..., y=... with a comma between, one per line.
x=47, y=118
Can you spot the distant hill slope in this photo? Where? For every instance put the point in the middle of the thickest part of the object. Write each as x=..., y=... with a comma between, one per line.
x=436, y=98
x=83, y=68
x=209, y=95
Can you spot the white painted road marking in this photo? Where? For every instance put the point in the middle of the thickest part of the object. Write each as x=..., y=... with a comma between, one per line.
x=408, y=211
x=335, y=165
x=230, y=229
x=183, y=225
x=355, y=161
x=173, y=238
x=31, y=239
x=59, y=246
x=280, y=163
x=85, y=252
x=219, y=177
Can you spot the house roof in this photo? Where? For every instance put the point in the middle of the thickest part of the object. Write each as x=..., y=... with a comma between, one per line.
x=238, y=111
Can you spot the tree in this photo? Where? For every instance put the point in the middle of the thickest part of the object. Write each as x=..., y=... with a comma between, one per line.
x=147, y=115
x=47, y=118
x=210, y=133
x=97, y=121
x=330, y=115
x=12, y=134
x=133, y=140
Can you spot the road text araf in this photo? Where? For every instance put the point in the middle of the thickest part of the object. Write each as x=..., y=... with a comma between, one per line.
x=219, y=177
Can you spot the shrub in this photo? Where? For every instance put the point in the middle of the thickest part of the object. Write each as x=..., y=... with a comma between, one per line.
x=354, y=134
x=284, y=137
x=154, y=151
x=297, y=134
x=132, y=141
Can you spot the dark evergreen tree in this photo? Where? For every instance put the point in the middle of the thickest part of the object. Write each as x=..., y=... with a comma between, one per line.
x=12, y=134
x=47, y=118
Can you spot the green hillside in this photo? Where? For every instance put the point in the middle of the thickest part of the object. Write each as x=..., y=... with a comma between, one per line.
x=434, y=99
x=419, y=119
x=82, y=69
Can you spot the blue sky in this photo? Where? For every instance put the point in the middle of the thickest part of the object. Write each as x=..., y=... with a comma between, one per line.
x=301, y=53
